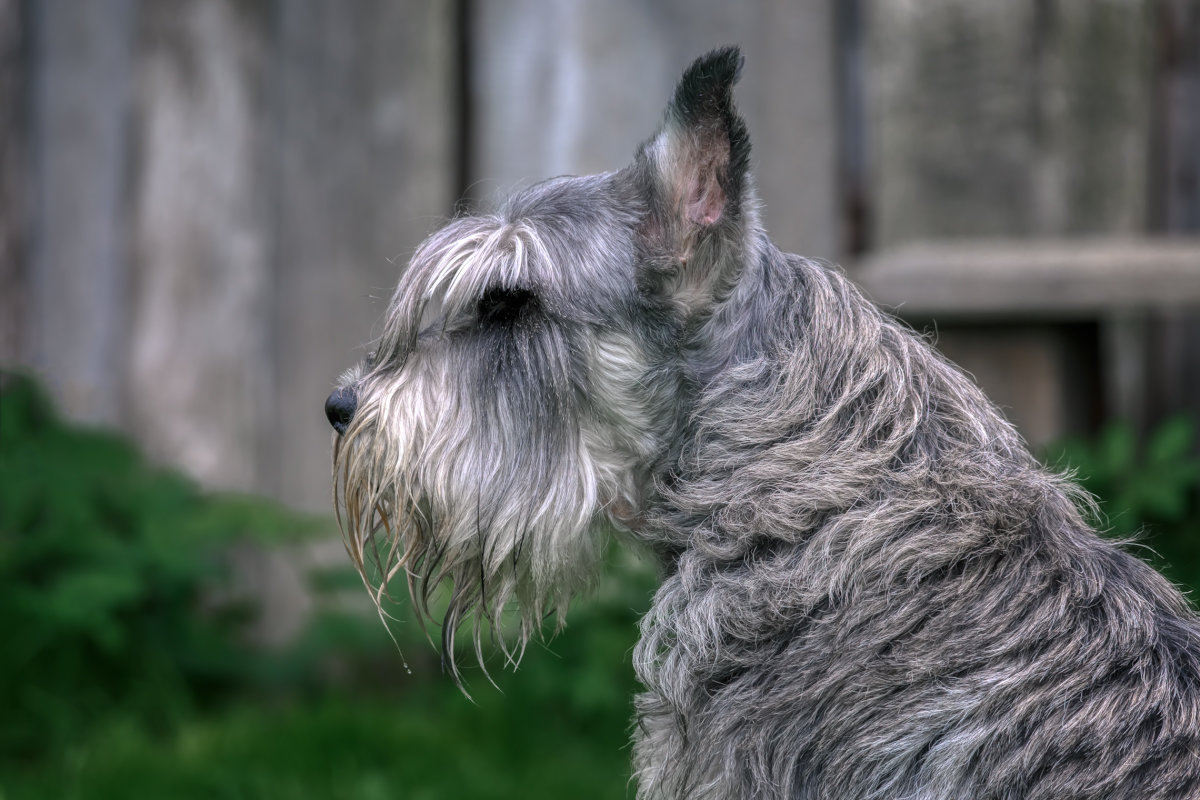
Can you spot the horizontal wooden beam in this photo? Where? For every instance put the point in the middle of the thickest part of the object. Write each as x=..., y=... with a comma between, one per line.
x=1039, y=278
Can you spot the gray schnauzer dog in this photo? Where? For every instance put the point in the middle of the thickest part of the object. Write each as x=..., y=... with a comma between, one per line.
x=870, y=588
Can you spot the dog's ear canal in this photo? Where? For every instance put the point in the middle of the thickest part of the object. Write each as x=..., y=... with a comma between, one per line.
x=701, y=156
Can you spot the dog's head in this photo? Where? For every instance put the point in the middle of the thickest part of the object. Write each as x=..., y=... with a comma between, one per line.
x=534, y=368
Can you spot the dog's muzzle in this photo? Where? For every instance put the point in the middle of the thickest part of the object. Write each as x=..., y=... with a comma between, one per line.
x=340, y=407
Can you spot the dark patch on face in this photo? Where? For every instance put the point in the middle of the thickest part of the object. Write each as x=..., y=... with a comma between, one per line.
x=521, y=356
x=503, y=306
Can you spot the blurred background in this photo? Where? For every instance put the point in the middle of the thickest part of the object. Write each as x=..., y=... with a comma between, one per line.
x=205, y=204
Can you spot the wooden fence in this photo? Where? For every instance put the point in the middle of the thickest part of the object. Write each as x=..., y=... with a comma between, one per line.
x=205, y=204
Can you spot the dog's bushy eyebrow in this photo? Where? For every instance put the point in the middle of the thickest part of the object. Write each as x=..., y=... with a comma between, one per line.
x=501, y=253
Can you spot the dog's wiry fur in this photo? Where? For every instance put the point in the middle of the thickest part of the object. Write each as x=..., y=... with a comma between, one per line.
x=871, y=589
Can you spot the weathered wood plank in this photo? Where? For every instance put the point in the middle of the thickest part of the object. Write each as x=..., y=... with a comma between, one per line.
x=14, y=201
x=78, y=290
x=1175, y=337
x=199, y=365
x=1027, y=117
x=363, y=140
x=1063, y=278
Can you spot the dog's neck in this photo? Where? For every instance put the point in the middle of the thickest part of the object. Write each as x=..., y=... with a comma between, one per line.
x=724, y=333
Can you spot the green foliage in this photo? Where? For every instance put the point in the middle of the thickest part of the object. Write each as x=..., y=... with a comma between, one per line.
x=1150, y=490
x=430, y=745
x=557, y=727
x=114, y=580
x=126, y=669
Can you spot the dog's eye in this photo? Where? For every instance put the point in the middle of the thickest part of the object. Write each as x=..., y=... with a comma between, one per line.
x=505, y=305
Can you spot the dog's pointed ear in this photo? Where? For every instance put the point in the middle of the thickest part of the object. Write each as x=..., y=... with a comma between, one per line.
x=701, y=156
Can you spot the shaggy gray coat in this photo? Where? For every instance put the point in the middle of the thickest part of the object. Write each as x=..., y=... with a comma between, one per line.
x=870, y=589
x=877, y=593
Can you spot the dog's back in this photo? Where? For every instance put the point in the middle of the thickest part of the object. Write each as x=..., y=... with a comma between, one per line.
x=888, y=597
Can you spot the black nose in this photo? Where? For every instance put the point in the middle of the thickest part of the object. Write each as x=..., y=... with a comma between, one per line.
x=340, y=407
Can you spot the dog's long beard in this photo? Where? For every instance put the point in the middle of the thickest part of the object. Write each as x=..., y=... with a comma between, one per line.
x=499, y=503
